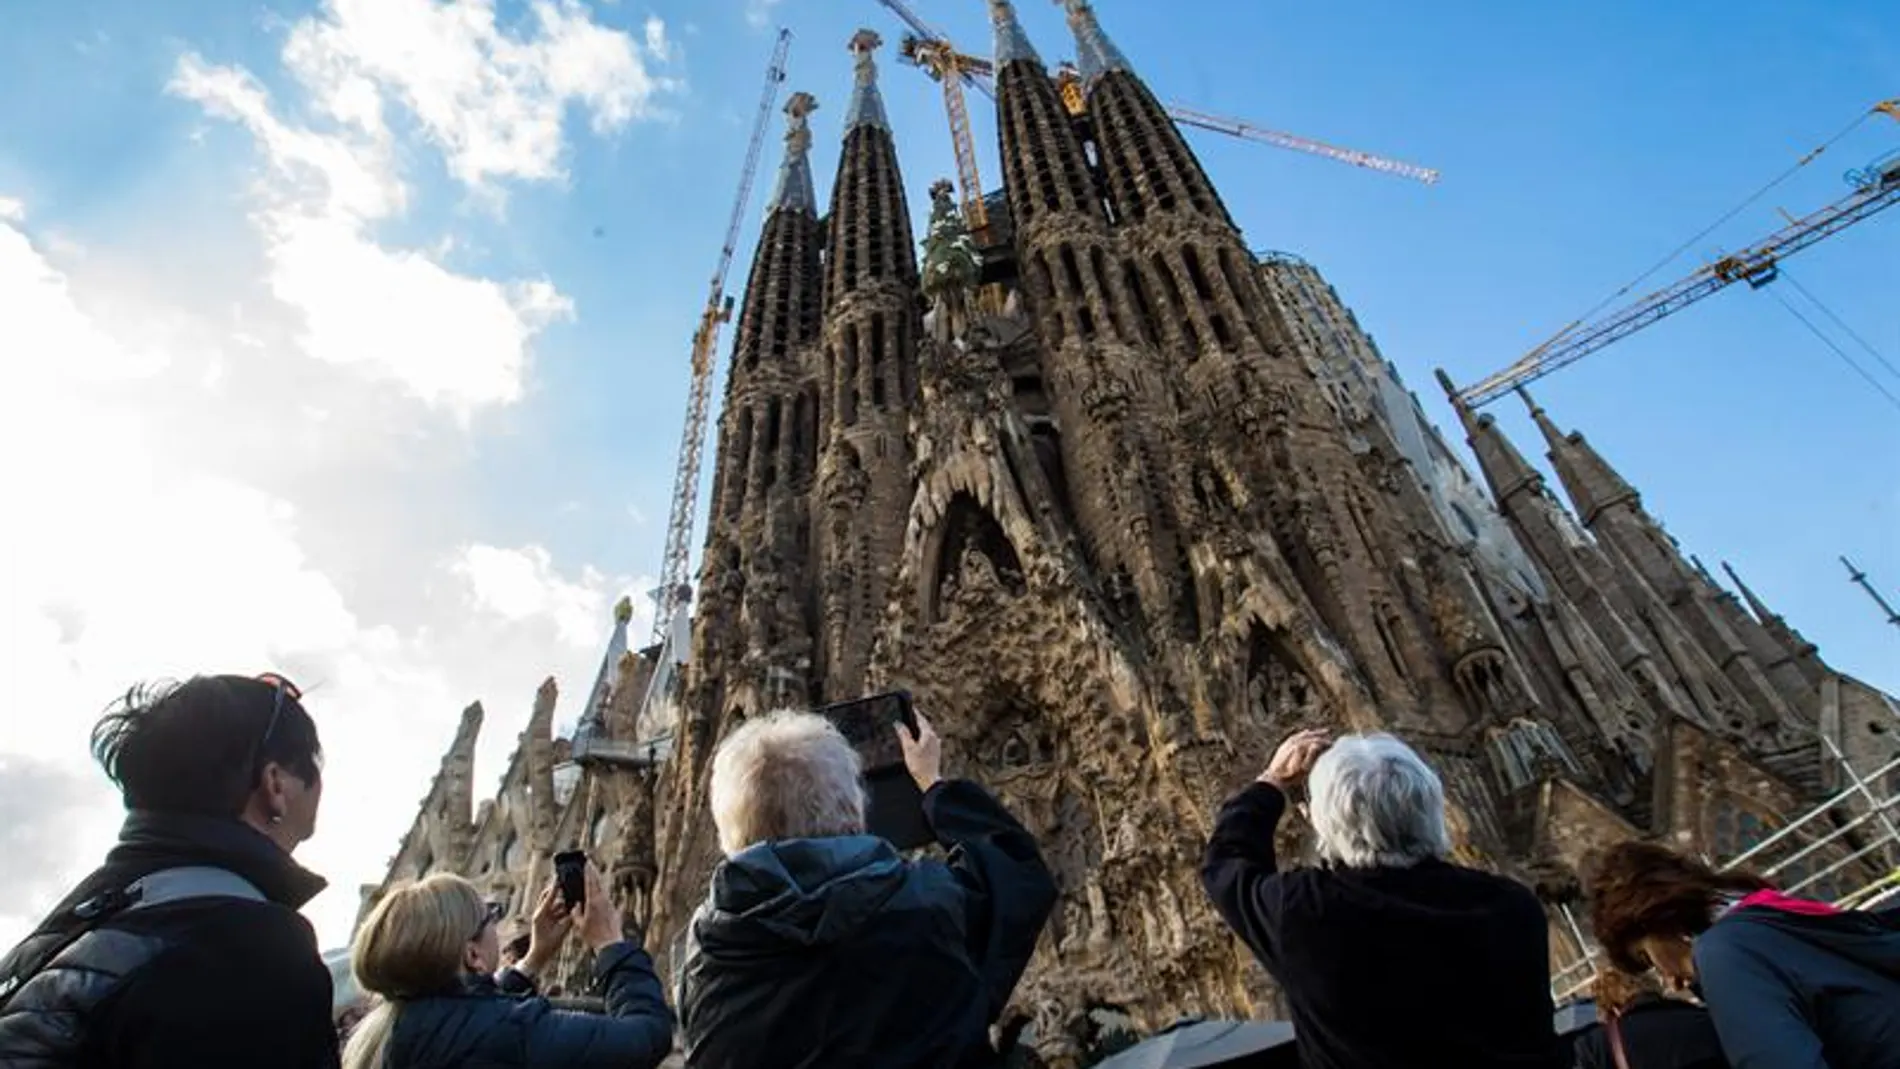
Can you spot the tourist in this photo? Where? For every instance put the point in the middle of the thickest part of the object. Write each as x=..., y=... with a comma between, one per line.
x=1388, y=954
x=185, y=948
x=820, y=944
x=430, y=949
x=1789, y=982
x=1641, y=1028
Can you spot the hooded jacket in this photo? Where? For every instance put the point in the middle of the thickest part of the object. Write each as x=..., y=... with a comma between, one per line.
x=211, y=983
x=1428, y=965
x=484, y=1027
x=1792, y=990
x=839, y=953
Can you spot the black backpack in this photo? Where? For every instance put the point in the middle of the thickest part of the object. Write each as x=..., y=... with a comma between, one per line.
x=39, y=952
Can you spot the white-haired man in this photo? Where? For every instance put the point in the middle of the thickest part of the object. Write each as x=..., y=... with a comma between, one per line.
x=1389, y=955
x=820, y=945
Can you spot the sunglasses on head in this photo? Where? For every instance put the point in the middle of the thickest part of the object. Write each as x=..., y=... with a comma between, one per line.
x=492, y=913
x=282, y=688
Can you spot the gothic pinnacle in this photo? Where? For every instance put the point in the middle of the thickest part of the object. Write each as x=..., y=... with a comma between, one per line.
x=1095, y=54
x=867, y=104
x=1012, y=44
x=1593, y=485
x=794, y=191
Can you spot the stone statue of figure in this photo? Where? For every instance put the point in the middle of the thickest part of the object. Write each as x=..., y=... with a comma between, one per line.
x=951, y=266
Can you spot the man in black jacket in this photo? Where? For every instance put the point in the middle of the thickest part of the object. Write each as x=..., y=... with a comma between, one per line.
x=1390, y=957
x=821, y=946
x=185, y=948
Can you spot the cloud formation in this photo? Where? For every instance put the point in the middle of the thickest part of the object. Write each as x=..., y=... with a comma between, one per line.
x=233, y=473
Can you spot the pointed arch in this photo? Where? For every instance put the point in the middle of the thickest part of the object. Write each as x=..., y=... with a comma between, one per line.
x=1277, y=692
x=965, y=532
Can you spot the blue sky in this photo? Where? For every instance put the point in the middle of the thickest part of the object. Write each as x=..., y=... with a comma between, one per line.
x=398, y=307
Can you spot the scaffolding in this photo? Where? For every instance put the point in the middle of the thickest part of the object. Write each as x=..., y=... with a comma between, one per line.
x=1791, y=857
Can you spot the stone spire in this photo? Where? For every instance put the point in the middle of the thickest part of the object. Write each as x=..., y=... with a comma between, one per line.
x=794, y=191
x=1095, y=54
x=593, y=716
x=1012, y=44
x=1593, y=485
x=1502, y=465
x=867, y=103
x=866, y=379
x=1755, y=605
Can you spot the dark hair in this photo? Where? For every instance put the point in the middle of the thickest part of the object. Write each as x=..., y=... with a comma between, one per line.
x=517, y=947
x=1641, y=889
x=199, y=746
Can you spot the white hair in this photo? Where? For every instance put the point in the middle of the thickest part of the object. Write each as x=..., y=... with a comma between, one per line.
x=1374, y=801
x=787, y=775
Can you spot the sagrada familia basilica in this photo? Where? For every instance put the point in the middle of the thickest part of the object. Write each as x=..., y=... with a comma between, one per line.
x=1122, y=503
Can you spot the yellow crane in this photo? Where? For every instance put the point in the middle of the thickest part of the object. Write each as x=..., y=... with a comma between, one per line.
x=929, y=49
x=674, y=589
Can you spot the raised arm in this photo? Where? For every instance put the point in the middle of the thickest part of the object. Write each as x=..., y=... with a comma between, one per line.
x=1239, y=871
x=1007, y=884
x=636, y=1032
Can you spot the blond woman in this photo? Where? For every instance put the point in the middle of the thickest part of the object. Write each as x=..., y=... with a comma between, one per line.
x=429, y=950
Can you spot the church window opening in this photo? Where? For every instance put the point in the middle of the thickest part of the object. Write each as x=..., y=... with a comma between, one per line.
x=741, y=458
x=514, y=853
x=598, y=829
x=848, y=378
x=877, y=361
x=771, y=446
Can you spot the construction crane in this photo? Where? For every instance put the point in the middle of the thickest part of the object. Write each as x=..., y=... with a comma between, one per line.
x=1876, y=187
x=675, y=590
x=930, y=49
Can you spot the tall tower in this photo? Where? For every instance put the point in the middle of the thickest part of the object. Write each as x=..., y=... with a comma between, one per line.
x=756, y=572
x=1275, y=453
x=1106, y=392
x=867, y=378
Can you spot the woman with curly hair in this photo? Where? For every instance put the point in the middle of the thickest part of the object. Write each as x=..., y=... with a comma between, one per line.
x=1790, y=982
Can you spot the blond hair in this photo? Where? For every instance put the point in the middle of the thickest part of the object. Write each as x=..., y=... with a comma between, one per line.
x=787, y=775
x=411, y=945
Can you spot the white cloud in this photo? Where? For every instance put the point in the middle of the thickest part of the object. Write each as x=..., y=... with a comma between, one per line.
x=217, y=474
x=759, y=12
x=494, y=103
x=492, y=100
x=522, y=584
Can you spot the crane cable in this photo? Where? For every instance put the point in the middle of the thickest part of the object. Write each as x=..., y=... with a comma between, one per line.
x=1835, y=347
x=1712, y=227
x=1849, y=331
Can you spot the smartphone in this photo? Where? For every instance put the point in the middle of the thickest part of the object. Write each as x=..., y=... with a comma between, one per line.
x=866, y=725
x=570, y=874
x=894, y=807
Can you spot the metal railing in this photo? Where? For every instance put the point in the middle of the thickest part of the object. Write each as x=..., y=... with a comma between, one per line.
x=1881, y=814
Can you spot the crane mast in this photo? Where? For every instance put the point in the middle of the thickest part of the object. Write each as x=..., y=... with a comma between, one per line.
x=1878, y=188
x=675, y=588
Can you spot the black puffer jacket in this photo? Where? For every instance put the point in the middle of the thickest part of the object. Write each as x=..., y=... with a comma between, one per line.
x=211, y=983
x=482, y=1028
x=837, y=953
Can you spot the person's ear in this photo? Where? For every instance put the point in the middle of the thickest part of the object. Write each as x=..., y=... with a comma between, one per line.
x=472, y=957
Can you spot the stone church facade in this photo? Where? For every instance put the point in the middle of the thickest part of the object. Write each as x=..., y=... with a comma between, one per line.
x=1165, y=506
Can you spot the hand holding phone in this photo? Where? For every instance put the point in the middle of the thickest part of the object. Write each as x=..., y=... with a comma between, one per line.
x=570, y=874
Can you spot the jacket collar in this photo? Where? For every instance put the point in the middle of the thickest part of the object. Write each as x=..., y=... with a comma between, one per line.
x=149, y=841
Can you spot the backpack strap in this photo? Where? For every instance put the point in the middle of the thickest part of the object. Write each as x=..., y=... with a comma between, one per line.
x=191, y=881
x=154, y=889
